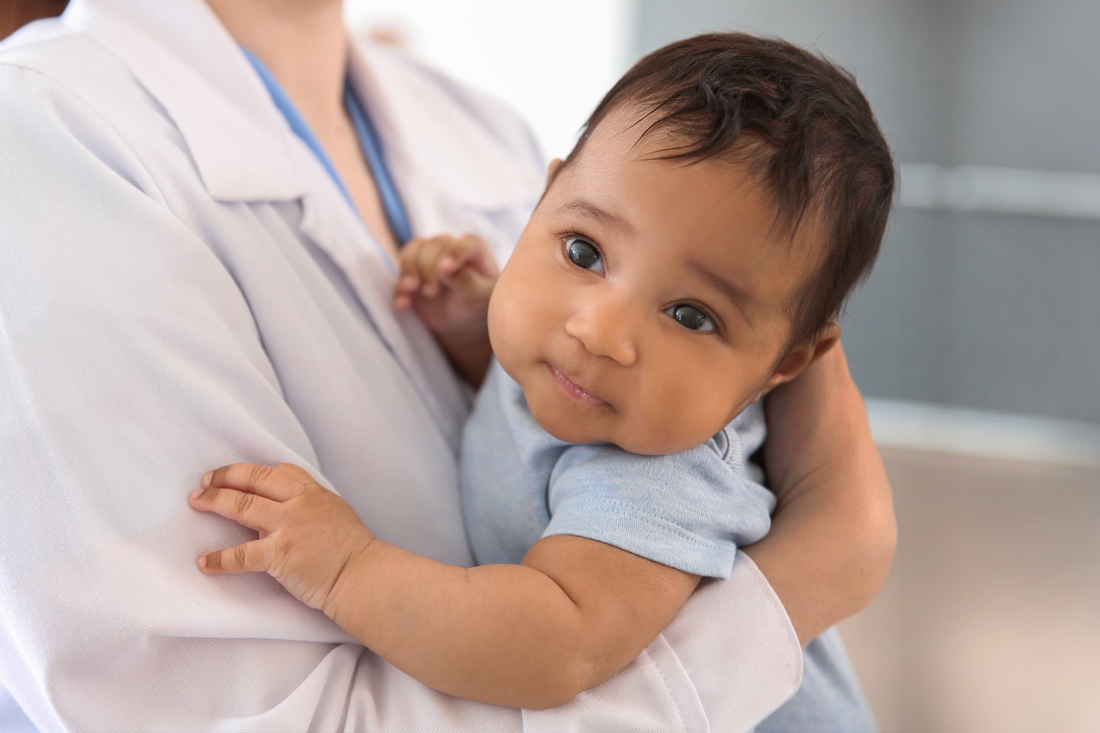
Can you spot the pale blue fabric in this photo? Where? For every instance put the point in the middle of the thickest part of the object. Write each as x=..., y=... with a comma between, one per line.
x=688, y=510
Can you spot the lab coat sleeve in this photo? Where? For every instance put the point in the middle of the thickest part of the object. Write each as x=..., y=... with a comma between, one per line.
x=129, y=365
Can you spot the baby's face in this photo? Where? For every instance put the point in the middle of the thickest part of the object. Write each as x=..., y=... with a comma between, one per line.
x=644, y=304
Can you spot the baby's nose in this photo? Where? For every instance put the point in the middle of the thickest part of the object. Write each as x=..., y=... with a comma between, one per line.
x=606, y=329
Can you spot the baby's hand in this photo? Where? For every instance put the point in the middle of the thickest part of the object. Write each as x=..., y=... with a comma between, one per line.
x=308, y=534
x=448, y=280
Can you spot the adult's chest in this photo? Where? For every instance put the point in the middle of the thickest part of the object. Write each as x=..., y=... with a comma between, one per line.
x=376, y=400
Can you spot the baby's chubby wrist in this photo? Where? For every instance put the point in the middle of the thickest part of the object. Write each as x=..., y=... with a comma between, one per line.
x=365, y=556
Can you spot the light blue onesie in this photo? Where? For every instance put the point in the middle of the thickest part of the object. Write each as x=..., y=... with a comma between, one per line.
x=688, y=510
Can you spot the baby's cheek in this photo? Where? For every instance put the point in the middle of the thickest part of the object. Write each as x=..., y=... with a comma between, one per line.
x=688, y=411
x=505, y=321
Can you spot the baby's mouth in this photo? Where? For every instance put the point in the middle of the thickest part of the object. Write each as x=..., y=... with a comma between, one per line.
x=575, y=391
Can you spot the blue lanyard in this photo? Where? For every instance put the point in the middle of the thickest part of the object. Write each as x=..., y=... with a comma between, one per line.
x=369, y=142
x=372, y=151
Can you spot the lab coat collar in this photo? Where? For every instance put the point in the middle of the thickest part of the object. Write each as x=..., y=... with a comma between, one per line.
x=245, y=151
x=184, y=57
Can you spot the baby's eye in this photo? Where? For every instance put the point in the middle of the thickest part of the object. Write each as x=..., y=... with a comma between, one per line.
x=691, y=317
x=584, y=254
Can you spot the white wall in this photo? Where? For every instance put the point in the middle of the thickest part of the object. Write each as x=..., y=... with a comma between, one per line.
x=551, y=61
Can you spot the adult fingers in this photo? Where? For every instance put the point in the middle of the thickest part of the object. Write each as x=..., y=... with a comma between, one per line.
x=250, y=557
x=280, y=482
x=251, y=510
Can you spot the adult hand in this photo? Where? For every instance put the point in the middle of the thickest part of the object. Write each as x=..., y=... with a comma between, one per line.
x=833, y=535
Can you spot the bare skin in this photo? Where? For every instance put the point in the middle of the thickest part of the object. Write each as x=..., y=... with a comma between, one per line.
x=645, y=306
x=305, y=45
x=834, y=533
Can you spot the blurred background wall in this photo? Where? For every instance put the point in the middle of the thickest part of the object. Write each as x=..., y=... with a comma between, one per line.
x=976, y=340
x=984, y=296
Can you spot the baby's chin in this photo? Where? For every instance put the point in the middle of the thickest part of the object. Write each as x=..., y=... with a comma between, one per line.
x=620, y=430
x=565, y=425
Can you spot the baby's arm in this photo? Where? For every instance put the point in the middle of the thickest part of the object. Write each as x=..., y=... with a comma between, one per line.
x=447, y=281
x=533, y=635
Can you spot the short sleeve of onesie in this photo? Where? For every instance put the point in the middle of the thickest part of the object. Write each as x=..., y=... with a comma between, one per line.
x=689, y=510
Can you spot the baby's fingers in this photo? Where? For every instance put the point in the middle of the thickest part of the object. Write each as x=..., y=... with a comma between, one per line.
x=413, y=278
x=467, y=250
x=251, y=510
x=416, y=259
x=250, y=557
x=281, y=482
x=427, y=264
x=407, y=286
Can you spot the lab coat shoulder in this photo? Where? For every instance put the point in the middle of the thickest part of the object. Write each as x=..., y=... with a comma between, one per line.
x=497, y=119
x=63, y=90
x=129, y=360
x=83, y=210
x=94, y=265
x=470, y=147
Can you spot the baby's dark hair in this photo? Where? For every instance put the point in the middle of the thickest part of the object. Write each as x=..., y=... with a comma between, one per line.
x=801, y=124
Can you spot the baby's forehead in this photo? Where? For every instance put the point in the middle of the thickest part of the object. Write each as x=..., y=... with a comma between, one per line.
x=623, y=139
x=628, y=131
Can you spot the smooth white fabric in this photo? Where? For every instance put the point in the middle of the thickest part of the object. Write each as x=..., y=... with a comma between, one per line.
x=182, y=286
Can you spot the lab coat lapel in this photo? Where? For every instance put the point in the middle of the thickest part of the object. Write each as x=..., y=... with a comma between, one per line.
x=185, y=58
x=333, y=226
x=246, y=152
x=451, y=173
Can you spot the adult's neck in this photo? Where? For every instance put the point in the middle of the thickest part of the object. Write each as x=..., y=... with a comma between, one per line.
x=303, y=43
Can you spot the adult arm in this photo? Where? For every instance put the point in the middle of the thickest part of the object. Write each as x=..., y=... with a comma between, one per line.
x=833, y=534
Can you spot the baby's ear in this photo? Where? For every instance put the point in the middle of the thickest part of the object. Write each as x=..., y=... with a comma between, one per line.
x=801, y=356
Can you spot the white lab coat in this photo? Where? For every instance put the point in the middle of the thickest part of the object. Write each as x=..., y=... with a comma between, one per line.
x=182, y=286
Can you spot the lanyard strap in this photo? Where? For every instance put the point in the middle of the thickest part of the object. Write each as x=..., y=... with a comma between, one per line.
x=369, y=143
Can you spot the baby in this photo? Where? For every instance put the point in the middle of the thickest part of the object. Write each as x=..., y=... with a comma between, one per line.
x=691, y=254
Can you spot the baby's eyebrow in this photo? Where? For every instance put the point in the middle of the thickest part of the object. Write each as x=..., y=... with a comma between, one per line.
x=740, y=298
x=592, y=211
